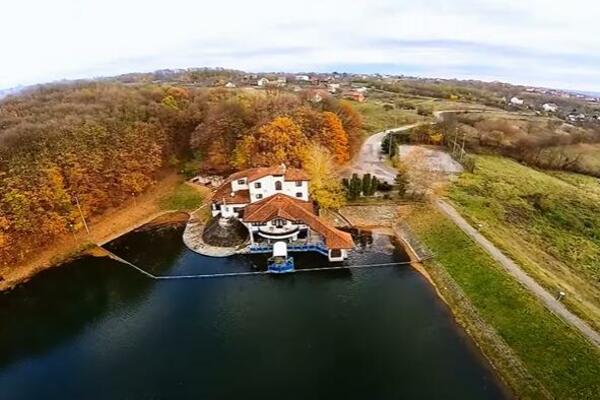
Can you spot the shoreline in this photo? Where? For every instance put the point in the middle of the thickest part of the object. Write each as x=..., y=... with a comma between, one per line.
x=505, y=364
x=103, y=228
x=163, y=218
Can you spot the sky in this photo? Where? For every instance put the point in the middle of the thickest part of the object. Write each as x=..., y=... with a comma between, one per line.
x=546, y=43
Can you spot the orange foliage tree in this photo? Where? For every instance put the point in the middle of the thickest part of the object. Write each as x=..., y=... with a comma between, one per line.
x=334, y=137
x=279, y=141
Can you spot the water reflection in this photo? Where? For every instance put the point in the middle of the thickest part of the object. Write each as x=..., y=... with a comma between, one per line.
x=379, y=333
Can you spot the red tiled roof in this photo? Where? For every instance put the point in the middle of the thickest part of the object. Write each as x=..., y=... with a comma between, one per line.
x=290, y=174
x=224, y=195
x=252, y=174
x=283, y=206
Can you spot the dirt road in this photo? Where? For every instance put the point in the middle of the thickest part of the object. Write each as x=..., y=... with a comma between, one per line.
x=372, y=161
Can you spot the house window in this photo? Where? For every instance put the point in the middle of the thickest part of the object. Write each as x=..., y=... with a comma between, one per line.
x=241, y=181
x=257, y=185
x=279, y=223
x=298, y=194
x=298, y=183
x=259, y=196
x=277, y=185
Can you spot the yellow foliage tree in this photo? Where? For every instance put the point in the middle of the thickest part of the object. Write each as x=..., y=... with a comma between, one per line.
x=325, y=186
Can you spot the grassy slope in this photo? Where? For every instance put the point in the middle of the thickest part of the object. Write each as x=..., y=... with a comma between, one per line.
x=184, y=197
x=555, y=355
x=377, y=119
x=549, y=224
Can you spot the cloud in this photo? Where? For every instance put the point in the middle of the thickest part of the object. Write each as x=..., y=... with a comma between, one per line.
x=533, y=42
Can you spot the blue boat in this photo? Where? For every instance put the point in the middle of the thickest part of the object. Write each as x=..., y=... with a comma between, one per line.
x=280, y=263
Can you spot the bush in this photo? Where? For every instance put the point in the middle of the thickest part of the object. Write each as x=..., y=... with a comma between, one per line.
x=425, y=110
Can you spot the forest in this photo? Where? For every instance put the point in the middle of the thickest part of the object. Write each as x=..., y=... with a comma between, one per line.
x=73, y=151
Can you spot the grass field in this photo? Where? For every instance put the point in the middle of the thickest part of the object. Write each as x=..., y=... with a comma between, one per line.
x=184, y=198
x=548, y=223
x=376, y=118
x=556, y=356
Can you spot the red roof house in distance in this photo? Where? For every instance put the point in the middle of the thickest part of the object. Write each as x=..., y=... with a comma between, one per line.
x=274, y=204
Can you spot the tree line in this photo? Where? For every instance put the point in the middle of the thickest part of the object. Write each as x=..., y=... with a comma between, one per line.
x=73, y=151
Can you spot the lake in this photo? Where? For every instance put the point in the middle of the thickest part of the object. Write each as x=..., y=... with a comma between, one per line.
x=98, y=329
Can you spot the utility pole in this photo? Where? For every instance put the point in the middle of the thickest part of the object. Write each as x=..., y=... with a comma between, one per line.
x=462, y=150
x=81, y=214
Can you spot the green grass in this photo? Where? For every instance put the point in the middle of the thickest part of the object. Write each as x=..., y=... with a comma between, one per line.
x=183, y=198
x=376, y=118
x=585, y=182
x=557, y=356
x=548, y=223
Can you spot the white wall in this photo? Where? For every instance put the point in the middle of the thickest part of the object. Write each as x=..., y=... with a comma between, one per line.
x=226, y=210
x=235, y=186
x=267, y=188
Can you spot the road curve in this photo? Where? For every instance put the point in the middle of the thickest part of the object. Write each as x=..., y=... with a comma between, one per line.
x=371, y=160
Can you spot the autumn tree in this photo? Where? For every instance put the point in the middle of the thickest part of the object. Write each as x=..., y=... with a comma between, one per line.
x=325, y=187
x=334, y=137
x=423, y=180
x=279, y=141
x=352, y=122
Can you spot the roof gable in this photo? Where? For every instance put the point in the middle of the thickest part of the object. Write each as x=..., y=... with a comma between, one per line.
x=283, y=206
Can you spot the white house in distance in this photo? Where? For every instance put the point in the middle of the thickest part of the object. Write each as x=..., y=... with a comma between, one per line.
x=516, y=101
x=274, y=204
x=262, y=82
x=550, y=107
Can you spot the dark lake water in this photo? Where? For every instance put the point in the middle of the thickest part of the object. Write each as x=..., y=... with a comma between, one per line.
x=98, y=329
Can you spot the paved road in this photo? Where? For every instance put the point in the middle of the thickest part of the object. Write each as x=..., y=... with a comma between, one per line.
x=549, y=301
x=372, y=161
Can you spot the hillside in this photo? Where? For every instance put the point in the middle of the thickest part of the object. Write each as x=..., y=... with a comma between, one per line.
x=549, y=223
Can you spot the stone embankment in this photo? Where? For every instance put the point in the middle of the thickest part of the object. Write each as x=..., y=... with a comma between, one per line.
x=192, y=237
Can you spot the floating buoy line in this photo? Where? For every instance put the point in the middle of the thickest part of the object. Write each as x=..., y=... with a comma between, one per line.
x=250, y=273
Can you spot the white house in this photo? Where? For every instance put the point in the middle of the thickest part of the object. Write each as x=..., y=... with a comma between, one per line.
x=575, y=117
x=262, y=82
x=304, y=78
x=230, y=85
x=333, y=87
x=550, y=107
x=516, y=101
x=274, y=205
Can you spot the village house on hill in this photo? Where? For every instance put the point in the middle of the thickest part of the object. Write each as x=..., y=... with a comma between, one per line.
x=274, y=205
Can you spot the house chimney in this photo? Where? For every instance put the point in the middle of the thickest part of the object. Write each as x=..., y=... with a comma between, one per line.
x=283, y=167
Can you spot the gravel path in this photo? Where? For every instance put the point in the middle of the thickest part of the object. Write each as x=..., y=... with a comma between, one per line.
x=372, y=161
x=530, y=284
